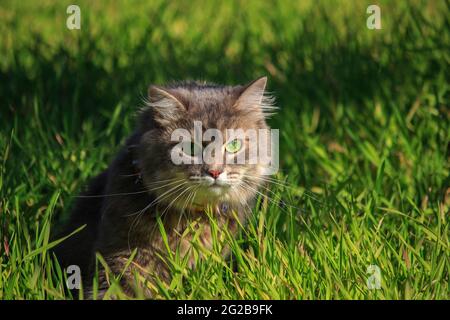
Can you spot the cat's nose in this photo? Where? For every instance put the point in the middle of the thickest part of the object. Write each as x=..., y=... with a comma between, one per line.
x=214, y=173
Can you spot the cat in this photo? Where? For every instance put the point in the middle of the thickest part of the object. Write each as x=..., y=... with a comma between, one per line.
x=121, y=206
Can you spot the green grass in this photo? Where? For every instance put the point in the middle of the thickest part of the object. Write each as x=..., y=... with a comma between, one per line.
x=364, y=127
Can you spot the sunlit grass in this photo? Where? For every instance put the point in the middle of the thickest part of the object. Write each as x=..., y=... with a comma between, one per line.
x=364, y=129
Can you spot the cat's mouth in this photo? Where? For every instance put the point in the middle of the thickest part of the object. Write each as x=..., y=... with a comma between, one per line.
x=218, y=189
x=210, y=188
x=215, y=188
x=210, y=182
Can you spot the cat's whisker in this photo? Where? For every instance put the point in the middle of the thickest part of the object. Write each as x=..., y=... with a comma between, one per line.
x=189, y=200
x=243, y=201
x=280, y=198
x=165, y=185
x=289, y=186
x=273, y=200
x=141, y=212
x=285, y=185
x=129, y=175
x=175, y=199
x=162, y=181
x=121, y=193
x=112, y=194
x=191, y=197
x=273, y=180
x=246, y=186
x=183, y=207
x=138, y=217
x=269, y=234
x=157, y=199
x=166, y=194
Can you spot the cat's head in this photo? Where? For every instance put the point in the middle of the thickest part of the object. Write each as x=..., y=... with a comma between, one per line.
x=187, y=108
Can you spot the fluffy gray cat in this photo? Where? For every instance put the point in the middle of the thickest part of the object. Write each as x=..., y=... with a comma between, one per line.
x=121, y=205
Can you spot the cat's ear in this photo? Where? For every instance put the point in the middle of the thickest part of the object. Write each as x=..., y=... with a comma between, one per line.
x=254, y=98
x=166, y=106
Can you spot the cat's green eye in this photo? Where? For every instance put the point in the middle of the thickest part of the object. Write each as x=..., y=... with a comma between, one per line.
x=234, y=146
